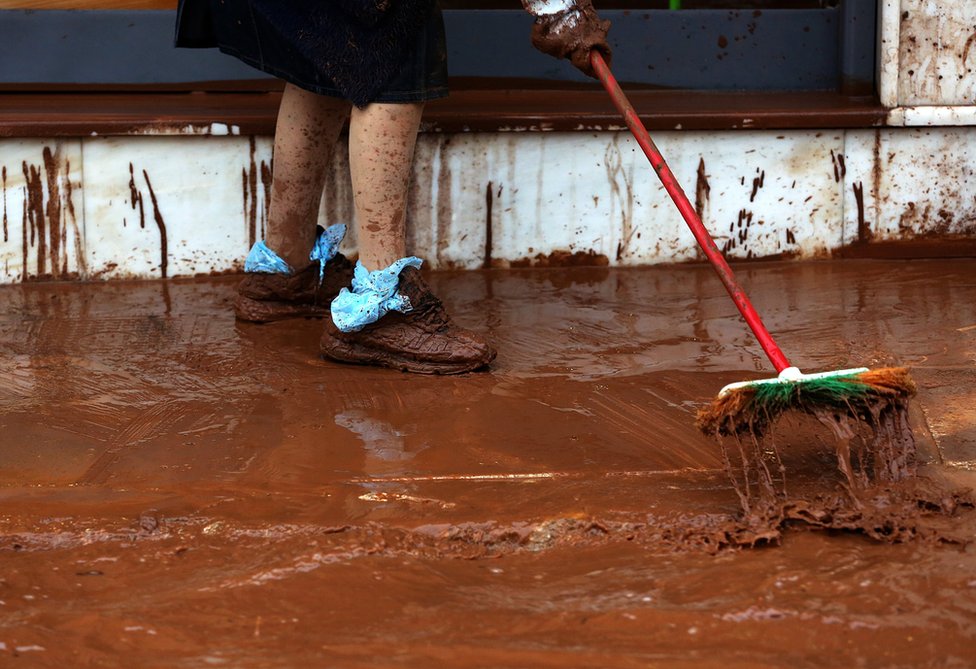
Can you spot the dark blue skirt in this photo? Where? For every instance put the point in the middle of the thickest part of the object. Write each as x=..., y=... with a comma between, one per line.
x=327, y=47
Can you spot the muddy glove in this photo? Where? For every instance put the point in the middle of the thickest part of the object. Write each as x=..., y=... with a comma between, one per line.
x=569, y=29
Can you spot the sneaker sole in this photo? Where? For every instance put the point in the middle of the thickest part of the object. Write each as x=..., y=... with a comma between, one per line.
x=344, y=352
x=267, y=311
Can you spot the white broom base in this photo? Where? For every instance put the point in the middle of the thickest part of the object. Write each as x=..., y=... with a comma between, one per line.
x=790, y=375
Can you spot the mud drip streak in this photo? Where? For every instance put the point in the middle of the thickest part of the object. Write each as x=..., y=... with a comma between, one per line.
x=53, y=207
x=252, y=187
x=254, y=222
x=622, y=193
x=34, y=217
x=489, y=200
x=6, y=234
x=863, y=232
x=703, y=190
x=135, y=198
x=47, y=207
x=158, y=217
x=70, y=208
x=773, y=352
x=267, y=171
x=23, y=231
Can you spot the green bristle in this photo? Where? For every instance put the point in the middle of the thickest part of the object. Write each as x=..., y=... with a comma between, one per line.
x=752, y=408
x=832, y=391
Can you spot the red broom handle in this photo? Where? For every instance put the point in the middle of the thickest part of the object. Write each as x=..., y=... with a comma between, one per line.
x=688, y=212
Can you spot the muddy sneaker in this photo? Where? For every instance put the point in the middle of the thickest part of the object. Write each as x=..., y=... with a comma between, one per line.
x=262, y=298
x=272, y=291
x=415, y=334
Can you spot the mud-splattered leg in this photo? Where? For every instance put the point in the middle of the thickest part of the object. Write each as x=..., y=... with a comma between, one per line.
x=381, y=143
x=305, y=136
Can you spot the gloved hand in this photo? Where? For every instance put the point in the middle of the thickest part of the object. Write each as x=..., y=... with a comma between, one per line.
x=573, y=34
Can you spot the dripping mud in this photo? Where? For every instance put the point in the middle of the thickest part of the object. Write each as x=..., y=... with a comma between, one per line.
x=182, y=490
x=875, y=455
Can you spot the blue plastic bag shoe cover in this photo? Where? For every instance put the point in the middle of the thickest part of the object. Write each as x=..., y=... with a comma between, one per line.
x=327, y=246
x=263, y=259
x=373, y=294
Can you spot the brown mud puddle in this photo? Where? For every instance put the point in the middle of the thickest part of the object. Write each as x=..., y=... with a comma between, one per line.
x=178, y=490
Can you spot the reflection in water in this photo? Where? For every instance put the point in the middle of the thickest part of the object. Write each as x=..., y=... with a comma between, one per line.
x=381, y=440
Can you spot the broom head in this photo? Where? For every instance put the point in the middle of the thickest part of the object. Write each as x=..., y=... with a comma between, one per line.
x=750, y=406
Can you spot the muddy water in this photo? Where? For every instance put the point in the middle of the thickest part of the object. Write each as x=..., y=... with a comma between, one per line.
x=179, y=490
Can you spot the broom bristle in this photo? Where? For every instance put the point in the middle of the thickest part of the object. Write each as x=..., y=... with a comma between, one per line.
x=752, y=408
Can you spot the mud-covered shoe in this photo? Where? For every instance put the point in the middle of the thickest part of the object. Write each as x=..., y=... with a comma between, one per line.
x=421, y=339
x=262, y=298
x=272, y=291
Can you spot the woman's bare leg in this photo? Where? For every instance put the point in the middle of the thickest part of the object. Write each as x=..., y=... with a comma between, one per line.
x=305, y=137
x=421, y=338
x=381, y=145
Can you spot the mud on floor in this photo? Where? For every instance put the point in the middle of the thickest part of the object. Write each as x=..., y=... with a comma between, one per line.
x=180, y=490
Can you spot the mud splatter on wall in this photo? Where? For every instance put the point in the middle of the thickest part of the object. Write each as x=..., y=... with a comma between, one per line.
x=926, y=185
x=257, y=199
x=863, y=231
x=703, y=190
x=937, y=53
x=169, y=206
x=137, y=203
x=6, y=229
x=621, y=178
x=38, y=189
x=161, y=225
x=552, y=196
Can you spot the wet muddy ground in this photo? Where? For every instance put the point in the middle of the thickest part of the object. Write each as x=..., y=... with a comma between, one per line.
x=177, y=490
